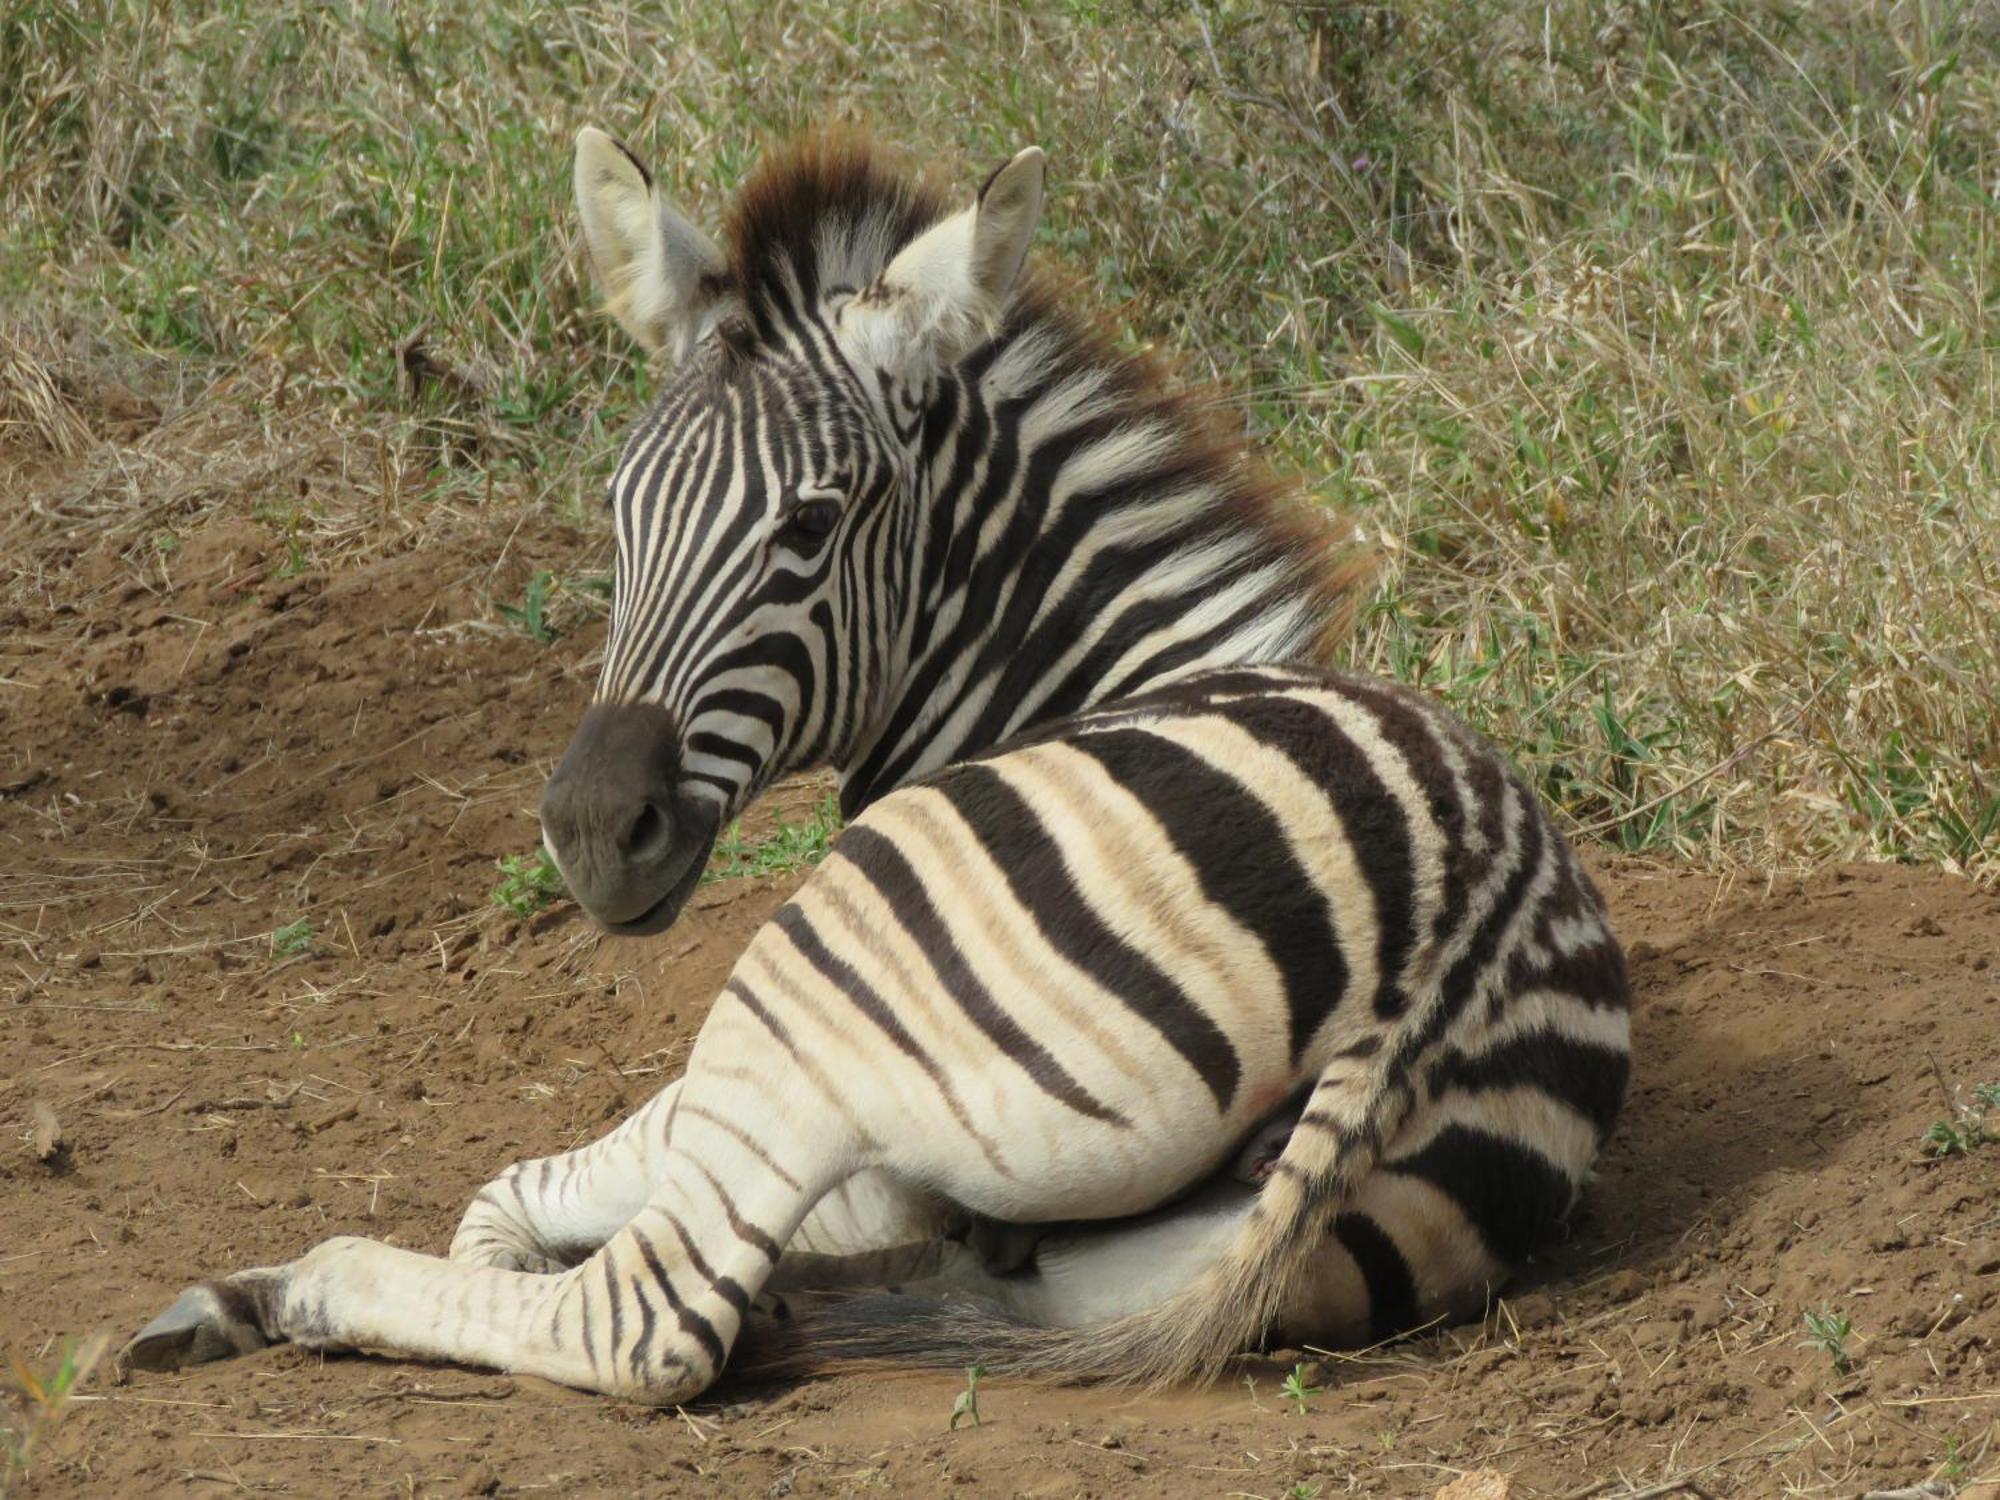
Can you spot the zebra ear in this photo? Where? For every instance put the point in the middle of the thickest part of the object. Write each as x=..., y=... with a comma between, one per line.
x=662, y=278
x=947, y=288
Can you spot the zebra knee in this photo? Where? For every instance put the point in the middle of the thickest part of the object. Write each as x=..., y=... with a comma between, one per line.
x=491, y=1234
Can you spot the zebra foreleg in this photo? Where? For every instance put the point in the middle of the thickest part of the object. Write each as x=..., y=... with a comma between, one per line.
x=650, y=1316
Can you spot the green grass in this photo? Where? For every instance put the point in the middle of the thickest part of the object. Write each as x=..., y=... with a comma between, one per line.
x=1829, y=1332
x=1969, y=1126
x=533, y=615
x=788, y=847
x=1653, y=344
x=292, y=938
x=966, y=1406
x=40, y=1402
x=1298, y=1390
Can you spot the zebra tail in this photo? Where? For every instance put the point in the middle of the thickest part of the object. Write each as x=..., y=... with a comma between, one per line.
x=1231, y=1306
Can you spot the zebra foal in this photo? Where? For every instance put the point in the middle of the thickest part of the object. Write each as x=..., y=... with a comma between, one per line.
x=1167, y=992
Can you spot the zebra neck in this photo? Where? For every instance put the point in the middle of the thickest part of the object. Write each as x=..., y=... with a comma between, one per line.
x=1066, y=558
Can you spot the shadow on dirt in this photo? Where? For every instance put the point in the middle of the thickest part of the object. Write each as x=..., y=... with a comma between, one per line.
x=1721, y=1099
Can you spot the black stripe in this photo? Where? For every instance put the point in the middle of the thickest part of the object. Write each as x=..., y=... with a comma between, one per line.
x=744, y=1139
x=882, y=864
x=745, y=1231
x=589, y=1337
x=1404, y=727
x=642, y=1346
x=1587, y=1077
x=1594, y=974
x=617, y=1303
x=1244, y=863
x=725, y=1287
x=1374, y=821
x=1041, y=882
x=1514, y=1196
x=779, y=1033
x=1392, y=1290
x=692, y=1323
x=694, y=1256
x=846, y=981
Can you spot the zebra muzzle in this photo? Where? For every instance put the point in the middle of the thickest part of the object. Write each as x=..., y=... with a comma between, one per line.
x=629, y=837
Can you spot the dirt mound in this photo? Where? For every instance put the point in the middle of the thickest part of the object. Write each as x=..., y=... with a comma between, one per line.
x=248, y=824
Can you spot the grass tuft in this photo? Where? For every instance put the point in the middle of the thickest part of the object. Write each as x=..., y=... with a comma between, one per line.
x=40, y=1402
x=788, y=847
x=528, y=882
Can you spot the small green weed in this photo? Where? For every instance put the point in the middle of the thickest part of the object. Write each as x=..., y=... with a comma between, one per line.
x=530, y=616
x=788, y=847
x=1304, y=1490
x=1969, y=1126
x=42, y=1403
x=1953, y=1468
x=1298, y=1390
x=1828, y=1331
x=528, y=882
x=967, y=1404
x=292, y=938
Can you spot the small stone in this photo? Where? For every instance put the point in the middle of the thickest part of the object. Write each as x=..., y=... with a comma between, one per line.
x=481, y=1481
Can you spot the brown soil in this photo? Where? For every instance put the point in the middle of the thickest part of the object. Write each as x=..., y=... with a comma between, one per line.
x=195, y=754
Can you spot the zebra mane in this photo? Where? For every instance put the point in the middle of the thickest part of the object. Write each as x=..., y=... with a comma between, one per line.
x=831, y=208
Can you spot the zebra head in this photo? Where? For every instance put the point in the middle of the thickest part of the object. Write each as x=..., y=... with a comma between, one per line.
x=763, y=549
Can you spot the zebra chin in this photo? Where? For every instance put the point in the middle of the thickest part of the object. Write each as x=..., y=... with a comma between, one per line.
x=628, y=833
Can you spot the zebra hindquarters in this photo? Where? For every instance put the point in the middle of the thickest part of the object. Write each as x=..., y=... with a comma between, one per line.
x=1357, y=895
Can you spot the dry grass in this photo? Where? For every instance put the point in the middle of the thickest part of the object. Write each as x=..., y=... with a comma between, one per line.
x=1657, y=340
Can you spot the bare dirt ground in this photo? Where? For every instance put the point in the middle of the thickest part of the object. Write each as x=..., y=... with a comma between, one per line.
x=195, y=751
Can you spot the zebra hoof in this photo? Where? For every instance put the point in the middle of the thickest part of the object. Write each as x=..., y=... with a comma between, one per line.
x=205, y=1322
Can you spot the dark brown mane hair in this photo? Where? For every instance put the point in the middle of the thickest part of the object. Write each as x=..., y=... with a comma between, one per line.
x=838, y=179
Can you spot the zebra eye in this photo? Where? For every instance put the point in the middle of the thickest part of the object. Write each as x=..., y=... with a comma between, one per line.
x=805, y=525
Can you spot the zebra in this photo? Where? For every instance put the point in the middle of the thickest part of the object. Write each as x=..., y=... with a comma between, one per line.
x=1168, y=993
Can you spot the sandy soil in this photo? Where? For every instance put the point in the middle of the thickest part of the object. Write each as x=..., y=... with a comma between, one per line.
x=195, y=752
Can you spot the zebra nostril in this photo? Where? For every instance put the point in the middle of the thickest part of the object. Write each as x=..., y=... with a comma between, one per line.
x=647, y=834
